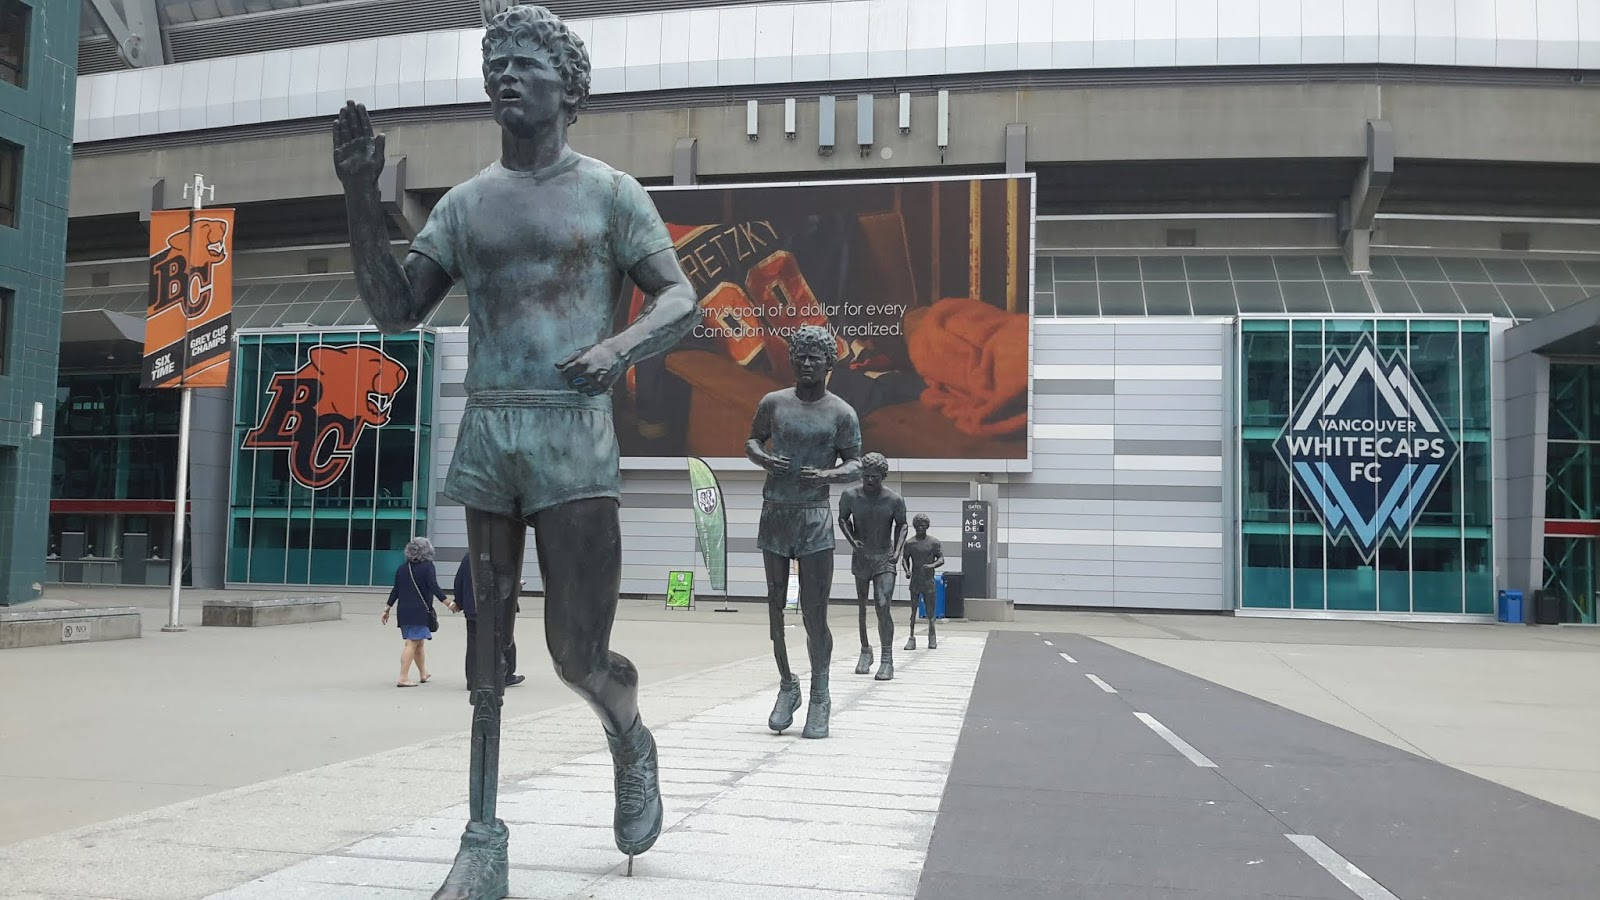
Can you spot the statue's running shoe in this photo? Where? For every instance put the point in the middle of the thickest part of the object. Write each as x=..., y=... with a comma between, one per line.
x=637, y=822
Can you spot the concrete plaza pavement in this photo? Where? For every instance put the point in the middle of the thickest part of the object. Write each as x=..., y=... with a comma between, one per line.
x=187, y=764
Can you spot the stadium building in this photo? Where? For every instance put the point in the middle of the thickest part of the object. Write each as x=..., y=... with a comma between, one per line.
x=1272, y=307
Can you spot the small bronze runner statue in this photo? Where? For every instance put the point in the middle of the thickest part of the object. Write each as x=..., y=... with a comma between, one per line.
x=922, y=555
x=806, y=438
x=873, y=518
x=542, y=239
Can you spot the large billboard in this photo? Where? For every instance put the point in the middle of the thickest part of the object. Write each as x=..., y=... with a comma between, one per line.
x=189, y=315
x=926, y=285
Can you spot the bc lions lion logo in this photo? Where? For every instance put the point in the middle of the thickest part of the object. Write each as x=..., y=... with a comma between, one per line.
x=174, y=278
x=319, y=411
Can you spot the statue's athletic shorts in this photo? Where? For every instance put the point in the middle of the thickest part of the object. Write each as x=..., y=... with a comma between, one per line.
x=867, y=565
x=520, y=452
x=793, y=530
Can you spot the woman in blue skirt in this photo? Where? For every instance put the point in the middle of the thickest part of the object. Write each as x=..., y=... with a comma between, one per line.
x=416, y=586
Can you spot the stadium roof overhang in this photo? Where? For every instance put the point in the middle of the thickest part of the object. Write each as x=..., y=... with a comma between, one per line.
x=1570, y=331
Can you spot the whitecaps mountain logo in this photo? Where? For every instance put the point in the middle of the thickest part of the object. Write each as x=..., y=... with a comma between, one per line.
x=1366, y=447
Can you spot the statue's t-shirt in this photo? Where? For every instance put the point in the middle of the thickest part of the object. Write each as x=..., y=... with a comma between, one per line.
x=875, y=520
x=815, y=433
x=922, y=553
x=542, y=255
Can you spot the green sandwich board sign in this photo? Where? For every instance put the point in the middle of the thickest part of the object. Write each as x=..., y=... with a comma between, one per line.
x=680, y=590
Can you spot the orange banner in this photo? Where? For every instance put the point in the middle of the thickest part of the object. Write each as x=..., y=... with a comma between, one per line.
x=188, y=336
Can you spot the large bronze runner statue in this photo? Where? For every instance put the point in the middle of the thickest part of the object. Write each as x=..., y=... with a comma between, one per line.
x=873, y=519
x=542, y=238
x=806, y=438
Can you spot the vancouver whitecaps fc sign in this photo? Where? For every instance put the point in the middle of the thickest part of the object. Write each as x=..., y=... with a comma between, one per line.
x=1366, y=447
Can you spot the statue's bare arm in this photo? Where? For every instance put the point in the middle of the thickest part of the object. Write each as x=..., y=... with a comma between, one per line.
x=847, y=523
x=399, y=297
x=848, y=469
x=667, y=318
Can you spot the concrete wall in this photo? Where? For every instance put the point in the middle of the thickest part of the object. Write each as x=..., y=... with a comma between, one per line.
x=1126, y=506
x=38, y=118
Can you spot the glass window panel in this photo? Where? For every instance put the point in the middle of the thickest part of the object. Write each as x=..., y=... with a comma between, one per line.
x=1207, y=268
x=1568, y=482
x=1480, y=577
x=1477, y=485
x=1264, y=582
x=1436, y=575
x=1561, y=295
x=1526, y=300
x=316, y=291
x=286, y=292
x=1121, y=298
x=1266, y=379
x=1482, y=298
x=1306, y=297
x=1463, y=269
x=355, y=315
x=452, y=312
x=1335, y=269
x=1352, y=581
x=1420, y=268
x=298, y=314
x=1162, y=268
x=1297, y=268
x=1387, y=268
x=1507, y=271
x=1394, y=296
x=1588, y=272
x=1308, y=574
x=262, y=317
x=1259, y=297
x=1073, y=268
x=1349, y=296
x=1043, y=269
x=1077, y=298
x=1213, y=298
x=1118, y=268
x=1043, y=305
x=1394, y=578
x=1266, y=484
x=1550, y=271
x=1252, y=268
x=1166, y=298
x=330, y=312
x=1436, y=297
x=1475, y=370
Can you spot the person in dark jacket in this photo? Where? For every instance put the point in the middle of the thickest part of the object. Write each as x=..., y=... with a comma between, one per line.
x=467, y=604
x=416, y=587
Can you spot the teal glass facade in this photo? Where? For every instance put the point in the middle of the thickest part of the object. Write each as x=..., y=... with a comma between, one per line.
x=1288, y=561
x=36, y=120
x=322, y=492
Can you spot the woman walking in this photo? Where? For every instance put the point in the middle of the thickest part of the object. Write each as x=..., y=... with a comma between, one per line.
x=416, y=586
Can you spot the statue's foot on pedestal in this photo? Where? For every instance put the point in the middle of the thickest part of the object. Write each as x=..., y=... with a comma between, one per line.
x=886, y=669
x=637, y=822
x=480, y=869
x=788, y=701
x=817, y=711
x=911, y=642
x=864, y=664
x=933, y=642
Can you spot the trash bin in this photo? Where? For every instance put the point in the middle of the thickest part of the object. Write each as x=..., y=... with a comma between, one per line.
x=1509, y=609
x=955, y=605
x=938, y=599
x=1547, y=607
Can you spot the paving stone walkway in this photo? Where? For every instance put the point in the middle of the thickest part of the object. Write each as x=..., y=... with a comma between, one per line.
x=749, y=814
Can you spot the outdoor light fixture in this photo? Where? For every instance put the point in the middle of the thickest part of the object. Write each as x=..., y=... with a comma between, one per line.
x=788, y=118
x=905, y=112
x=751, y=128
x=825, y=123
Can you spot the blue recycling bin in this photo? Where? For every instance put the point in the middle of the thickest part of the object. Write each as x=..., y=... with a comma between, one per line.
x=1509, y=609
x=938, y=599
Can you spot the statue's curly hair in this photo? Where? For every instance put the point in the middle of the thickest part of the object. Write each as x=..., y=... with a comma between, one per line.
x=875, y=462
x=921, y=519
x=525, y=23
x=814, y=338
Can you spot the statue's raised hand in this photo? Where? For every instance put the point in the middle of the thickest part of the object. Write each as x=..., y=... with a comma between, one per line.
x=357, y=152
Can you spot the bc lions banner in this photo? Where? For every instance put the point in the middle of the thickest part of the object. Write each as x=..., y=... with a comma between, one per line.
x=1366, y=447
x=925, y=285
x=188, y=333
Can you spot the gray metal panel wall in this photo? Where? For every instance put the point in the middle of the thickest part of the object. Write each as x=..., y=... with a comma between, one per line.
x=1125, y=506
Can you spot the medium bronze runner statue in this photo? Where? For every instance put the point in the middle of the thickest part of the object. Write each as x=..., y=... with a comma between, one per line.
x=922, y=555
x=873, y=519
x=542, y=239
x=806, y=438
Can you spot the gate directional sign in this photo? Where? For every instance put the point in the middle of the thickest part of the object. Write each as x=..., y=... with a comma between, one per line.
x=1366, y=447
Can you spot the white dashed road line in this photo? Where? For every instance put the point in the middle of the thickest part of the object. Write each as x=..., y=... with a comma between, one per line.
x=1067, y=658
x=1178, y=743
x=1351, y=877
x=1100, y=684
x=1049, y=644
